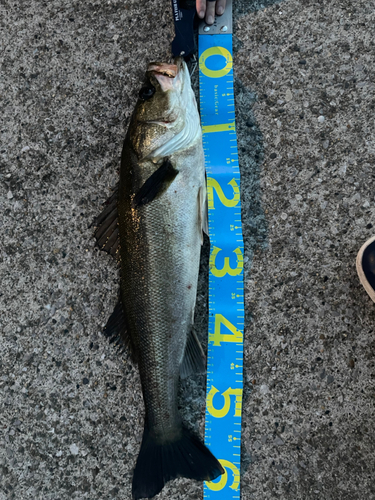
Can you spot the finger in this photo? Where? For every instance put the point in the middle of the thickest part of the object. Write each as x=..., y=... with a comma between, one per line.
x=210, y=12
x=201, y=8
x=220, y=7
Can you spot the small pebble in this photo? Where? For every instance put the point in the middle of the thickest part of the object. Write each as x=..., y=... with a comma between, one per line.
x=321, y=119
x=264, y=389
x=278, y=441
x=288, y=95
x=74, y=449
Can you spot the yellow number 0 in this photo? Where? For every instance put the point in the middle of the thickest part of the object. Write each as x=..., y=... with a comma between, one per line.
x=213, y=184
x=216, y=51
x=224, y=478
x=226, y=269
x=225, y=409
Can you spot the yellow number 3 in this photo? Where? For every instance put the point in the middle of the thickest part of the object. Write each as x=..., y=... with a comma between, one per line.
x=226, y=269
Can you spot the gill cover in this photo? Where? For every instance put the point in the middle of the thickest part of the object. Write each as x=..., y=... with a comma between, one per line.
x=166, y=118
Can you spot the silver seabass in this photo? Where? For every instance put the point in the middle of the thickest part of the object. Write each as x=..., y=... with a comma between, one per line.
x=161, y=216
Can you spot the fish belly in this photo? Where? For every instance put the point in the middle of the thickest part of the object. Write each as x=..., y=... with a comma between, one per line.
x=160, y=250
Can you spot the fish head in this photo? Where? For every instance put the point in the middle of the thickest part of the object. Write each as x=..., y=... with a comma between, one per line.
x=166, y=117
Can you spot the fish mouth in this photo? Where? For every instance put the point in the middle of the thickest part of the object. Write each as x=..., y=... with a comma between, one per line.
x=163, y=69
x=168, y=75
x=169, y=78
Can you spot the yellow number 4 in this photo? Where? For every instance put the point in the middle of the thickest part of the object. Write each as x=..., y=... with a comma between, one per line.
x=217, y=337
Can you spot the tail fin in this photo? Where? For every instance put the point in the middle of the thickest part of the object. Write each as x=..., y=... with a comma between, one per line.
x=158, y=463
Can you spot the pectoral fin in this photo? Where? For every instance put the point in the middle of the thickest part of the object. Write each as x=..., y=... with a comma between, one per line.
x=156, y=184
x=203, y=210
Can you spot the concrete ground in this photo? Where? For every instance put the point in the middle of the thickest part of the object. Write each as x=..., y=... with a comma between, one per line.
x=71, y=411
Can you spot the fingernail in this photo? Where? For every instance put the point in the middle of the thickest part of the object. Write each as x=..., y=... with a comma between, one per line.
x=201, y=14
x=210, y=20
x=220, y=11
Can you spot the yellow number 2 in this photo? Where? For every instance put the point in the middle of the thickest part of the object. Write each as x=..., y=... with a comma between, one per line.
x=212, y=185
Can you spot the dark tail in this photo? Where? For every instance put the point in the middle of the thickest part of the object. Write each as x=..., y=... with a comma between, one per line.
x=158, y=463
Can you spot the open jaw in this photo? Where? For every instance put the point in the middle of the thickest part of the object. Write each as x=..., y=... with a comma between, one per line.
x=169, y=70
x=166, y=74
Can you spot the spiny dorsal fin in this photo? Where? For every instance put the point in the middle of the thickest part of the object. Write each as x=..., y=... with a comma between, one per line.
x=194, y=359
x=156, y=184
x=106, y=232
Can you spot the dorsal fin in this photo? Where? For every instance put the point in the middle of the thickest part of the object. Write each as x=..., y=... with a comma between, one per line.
x=117, y=332
x=106, y=232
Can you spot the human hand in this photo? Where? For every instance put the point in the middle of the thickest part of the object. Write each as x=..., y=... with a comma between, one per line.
x=207, y=8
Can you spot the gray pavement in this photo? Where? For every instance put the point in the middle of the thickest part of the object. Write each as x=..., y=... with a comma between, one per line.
x=71, y=410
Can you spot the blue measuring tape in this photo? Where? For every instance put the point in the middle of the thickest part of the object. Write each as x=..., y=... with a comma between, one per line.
x=226, y=295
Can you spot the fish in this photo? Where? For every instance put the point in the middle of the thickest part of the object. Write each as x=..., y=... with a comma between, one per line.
x=154, y=223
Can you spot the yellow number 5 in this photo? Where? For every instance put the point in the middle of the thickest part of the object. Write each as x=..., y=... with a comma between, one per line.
x=222, y=412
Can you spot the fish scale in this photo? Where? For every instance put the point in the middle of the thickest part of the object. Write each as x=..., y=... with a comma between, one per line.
x=165, y=299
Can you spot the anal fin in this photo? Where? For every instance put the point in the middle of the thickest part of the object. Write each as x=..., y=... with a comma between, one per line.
x=194, y=360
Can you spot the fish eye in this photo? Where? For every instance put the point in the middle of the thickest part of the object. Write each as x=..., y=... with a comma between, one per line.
x=146, y=92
